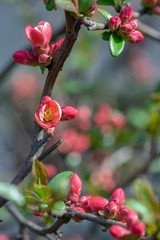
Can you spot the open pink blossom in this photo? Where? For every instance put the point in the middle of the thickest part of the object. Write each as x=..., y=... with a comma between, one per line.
x=49, y=113
x=40, y=35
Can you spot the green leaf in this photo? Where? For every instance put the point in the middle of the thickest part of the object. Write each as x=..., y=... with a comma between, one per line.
x=50, y=5
x=31, y=197
x=67, y=5
x=60, y=185
x=58, y=208
x=136, y=205
x=116, y=45
x=145, y=194
x=39, y=172
x=85, y=4
x=43, y=191
x=106, y=35
x=11, y=192
x=42, y=68
x=105, y=14
x=138, y=117
x=153, y=125
x=106, y=2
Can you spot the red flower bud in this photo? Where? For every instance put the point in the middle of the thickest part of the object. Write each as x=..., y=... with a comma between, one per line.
x=75, y=188
x=84, y=198
x=54, y=48
x=138, y=229
x=126, y=14
x=114, y=23
x=125, y=29
x=118, y=120
x=44, y=60
x=76, y=219
x=91, y=10
x=117, y=231
x=134, y=23
x=68, y=113
x=110, y=210
x=25, y=57
x=134, y=37
x=150, y=3
x=122, y=214
x=118, y=197
x=40, y=50
x=94, y=204
x=37, y=214
x=40, y=35
x=131, y=218
x=156, y=10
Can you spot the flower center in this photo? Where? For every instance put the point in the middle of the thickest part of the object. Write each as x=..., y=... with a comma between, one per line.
x=48, y=114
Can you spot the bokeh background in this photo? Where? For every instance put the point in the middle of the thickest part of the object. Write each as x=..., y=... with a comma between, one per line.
x=109, y=143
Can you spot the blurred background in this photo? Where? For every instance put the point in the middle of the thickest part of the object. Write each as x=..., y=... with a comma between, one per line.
x=111, y=142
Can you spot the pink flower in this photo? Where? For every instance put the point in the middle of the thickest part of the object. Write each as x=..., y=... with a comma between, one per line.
x=51, y=170
x=131, y=218
x=134, y=23
x=44, y=59
x=122, y=214
x=156, y=10
x=94, y=204
x=134, y=37
x=84, y=198
x=54, y=48
x=138, y=229
x=49, y=113
x=75, y=188
x=118, y=120
x=40, y=35
x=150, y=3
x=76, y=219
x=126, y=14
x=114, y=23
x=118, y=231
x=110, y=210
x=68, y=113
x=26, y=58
x=118, y=197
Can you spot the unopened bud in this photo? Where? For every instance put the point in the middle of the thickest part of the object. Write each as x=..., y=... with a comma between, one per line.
x=134, y=23
x=122, y=214
x=110, y=210
x=126, y=14
x=150, y=3
x=54, y=48
x=114, y=23
x=68, y=113
x=134, y=37
x=131, y=218
x=77, y=219
x=118, y=197
x=118, y=231
x=44, y=60
x=138, y=229
x=94, y=204
x=75, y=188
x=125, y=29
x=25, y=57
x=156, y=10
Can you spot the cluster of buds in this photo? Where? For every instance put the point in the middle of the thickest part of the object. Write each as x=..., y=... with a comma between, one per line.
x=125, y=25
x=113, y=208
x=74, y=142
x=154, y=5
x=42, y=53
x=107, y=119
x=50, y=113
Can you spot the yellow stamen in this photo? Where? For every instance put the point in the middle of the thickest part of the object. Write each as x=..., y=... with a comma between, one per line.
x=48, y=114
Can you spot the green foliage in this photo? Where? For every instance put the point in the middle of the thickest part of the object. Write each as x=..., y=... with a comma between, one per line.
x=43, y=191
x=58, y=208
x=138, y=118
x=60, y=185
x=106, y=2
x=116, y=45
x=39, y=173
x=106, y=35
x=67, y=5
x=105, y=14
x=50, y=5
x=11, y=192
x=153, y=125
x=85, y=4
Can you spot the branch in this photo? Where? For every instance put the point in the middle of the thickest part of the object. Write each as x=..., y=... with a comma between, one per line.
x=149, y=31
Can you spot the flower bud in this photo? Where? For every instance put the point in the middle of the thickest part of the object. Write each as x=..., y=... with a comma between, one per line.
x=37, y=214
x=68, y=113
x=91, y=10
x=131, y=218
x=84, y=198
x=40, y=50
x=54, y=48
x=134, y=37
x=138, y=229
x=150, y=3
x=4, y=237
x=77, y=219
x=134, y=23
x=117, y=231
x=156, y=10
x=125, y=29
x=40, y=35
x=94, y=204
x=75, y=188
x=110, y=210
x=25, y=57
x=118, y=197
x=118, y=120
x=126, y=14
x=44, y=60
x=122, y=214
x=114, y=23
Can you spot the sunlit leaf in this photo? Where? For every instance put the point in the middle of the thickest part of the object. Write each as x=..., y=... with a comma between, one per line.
x=39, y=173
x=116, y=45
x=85, y=4
x=105, y=14
x=67, y=5
x=43, y=191
x=58, y=208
